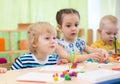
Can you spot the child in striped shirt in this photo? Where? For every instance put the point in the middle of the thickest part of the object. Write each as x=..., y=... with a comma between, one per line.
x=41, y=44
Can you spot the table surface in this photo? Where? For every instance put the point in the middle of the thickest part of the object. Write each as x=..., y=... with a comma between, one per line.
x=10, y=76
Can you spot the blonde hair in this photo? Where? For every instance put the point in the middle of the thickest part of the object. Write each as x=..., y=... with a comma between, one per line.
x=34, y=31
x=108, y=19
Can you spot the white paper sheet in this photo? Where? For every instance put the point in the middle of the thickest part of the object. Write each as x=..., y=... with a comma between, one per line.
x=38, y=77
x=60, y=68
x=99, y=75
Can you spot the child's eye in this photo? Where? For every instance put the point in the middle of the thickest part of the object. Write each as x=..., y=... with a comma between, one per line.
x=54, y=38
x=76, y=25
x=108, y=33
x=47, y=38
x=115, y=33
x=68, y=25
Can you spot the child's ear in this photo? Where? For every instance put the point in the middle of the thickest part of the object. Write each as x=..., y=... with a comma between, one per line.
x=59, y=27
x=33, y=43
x=99, y=31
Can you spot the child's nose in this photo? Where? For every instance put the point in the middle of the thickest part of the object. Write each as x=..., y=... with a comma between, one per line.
x=53, y=40
x=112, y=36
x=74, y=28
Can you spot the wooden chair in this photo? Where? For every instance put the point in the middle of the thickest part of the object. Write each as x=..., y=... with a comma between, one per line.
x=6, y=65
x=23, y=26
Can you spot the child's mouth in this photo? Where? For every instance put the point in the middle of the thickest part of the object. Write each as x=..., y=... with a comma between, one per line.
x=52, y=47
x=73, y=34
x=110, y=41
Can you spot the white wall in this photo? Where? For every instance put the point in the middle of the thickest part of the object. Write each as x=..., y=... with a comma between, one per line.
x=94, y=16
x=118, y=16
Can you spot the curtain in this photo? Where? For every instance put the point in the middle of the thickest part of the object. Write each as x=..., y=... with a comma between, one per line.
x=13, y=12
x=118, y=16
x=108, y=7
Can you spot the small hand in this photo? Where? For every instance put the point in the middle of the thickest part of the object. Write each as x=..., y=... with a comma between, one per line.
x=95, y=56
x=62, y=61
x=3, y=70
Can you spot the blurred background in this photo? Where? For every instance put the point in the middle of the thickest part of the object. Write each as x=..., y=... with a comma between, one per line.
x=15, y=12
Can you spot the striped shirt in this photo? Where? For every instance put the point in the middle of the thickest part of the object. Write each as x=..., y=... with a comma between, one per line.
x=28, y=60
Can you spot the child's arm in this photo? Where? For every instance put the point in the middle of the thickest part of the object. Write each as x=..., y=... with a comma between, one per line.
x=62, y=53
x=96, y=50
x=62, y=61
x=94, y=56
x=3, y=70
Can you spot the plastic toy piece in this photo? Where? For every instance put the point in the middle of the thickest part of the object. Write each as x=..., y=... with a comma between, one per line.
x=76, y=56
x=90, y=60
x=114, y=57
x=67, y=77
x=74, y=65
x=55, y=77
x=115, y=46
x=117, y=69
x=73, y=74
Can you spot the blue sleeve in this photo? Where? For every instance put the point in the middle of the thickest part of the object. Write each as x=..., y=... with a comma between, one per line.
x=17, y=64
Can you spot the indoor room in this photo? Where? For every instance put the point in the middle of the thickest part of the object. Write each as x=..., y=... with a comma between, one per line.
x=72, y=36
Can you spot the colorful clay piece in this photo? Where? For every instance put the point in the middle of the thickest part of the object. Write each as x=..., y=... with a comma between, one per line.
x=55, y=76
x=74, y=65
x=68, y=74
x=114, y=57
x=67, y=77
x=103, y=60
x=117, y=69
x=90, y=60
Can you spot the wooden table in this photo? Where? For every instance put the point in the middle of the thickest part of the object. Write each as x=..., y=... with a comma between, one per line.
x=10, y=76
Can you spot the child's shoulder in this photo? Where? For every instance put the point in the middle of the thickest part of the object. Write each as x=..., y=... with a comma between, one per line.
x=61, y=41
x=99, y=42
x=118, y=42
x=26, y=55
x=80, y=40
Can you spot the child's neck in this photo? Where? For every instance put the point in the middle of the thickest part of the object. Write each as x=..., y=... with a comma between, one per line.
x=41, y=57
x=69, y=40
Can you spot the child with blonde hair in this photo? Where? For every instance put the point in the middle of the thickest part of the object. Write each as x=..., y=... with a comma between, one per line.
x=41, y=43
x=68, y=21
x=107, y=33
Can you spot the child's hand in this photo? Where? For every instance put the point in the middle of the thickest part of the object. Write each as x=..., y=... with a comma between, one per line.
x=3, y=70
x=104, y=53
x=111, y=52
x=95, y=56
x=62, y=61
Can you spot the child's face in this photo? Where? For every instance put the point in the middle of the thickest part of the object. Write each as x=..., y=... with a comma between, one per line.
x=47, y=43
x=70, y=26
x=108, y=33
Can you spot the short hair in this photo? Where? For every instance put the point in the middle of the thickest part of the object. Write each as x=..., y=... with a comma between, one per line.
x=34, y=31
x=65, y=11
x=108, y=19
